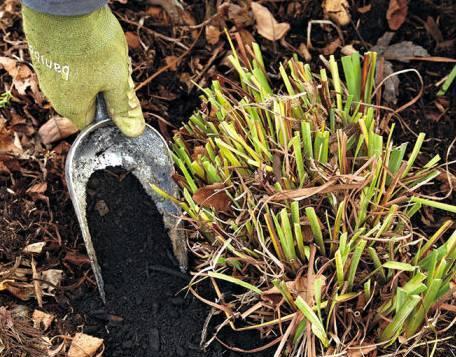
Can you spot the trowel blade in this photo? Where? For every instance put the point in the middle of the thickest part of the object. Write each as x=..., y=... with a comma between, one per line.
x=147, y=157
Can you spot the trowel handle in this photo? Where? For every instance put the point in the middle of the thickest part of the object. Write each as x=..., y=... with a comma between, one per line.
x=101, y=111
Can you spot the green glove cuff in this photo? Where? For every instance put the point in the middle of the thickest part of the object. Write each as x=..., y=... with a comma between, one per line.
x=77, y=57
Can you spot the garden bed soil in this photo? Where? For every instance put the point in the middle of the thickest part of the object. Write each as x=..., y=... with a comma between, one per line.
x=147, y=313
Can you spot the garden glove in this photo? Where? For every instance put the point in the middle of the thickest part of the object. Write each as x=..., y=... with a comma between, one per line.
x=77, y=57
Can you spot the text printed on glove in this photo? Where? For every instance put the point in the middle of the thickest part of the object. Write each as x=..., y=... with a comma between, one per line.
x=50, y=64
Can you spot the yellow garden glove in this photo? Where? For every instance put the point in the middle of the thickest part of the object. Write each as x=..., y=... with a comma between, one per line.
x=77, y=57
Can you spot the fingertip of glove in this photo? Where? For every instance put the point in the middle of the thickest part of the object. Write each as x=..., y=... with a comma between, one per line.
x=132, y=128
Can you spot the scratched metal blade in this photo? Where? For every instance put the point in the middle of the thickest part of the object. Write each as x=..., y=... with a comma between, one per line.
x=147, y=157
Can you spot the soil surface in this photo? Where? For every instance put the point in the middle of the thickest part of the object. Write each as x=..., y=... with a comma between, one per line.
x=147, y=313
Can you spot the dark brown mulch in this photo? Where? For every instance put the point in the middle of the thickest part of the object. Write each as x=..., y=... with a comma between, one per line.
x=27, y=217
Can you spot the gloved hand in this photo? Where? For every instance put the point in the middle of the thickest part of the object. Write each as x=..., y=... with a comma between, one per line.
x=77, y=57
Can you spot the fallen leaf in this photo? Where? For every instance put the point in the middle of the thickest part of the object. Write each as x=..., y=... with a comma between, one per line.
x=84, y=345
x=36, y=192
x=247, y=38
x=34, y=248
x=22, y=291
x=237, y=14
x=172, y=62
x=332, y=47
x=76, y=258
x=23, y=77
x=365, y=9
x=9, y=65
x=42, y=320
x=402, y=51
x=189, y=20
x=267, y=25
x=56, y=128
x=154, y=11
x=396, y=13
x=364, y=350
x=10, y=143
x=212, y=34
x=37, y=188
x=132, y=40
x=4, y=284
x=213, y=196
x=337, y=11
x=173, y=8
x=51, y=279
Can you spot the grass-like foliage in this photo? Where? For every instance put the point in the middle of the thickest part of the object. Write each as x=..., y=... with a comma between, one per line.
x=297, y=200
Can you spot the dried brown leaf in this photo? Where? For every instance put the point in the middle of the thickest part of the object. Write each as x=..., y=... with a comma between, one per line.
x=172, y=62
x=212, y=34
x=23, y=77
x=84, y=345
x=56, y=128
x=51, y=279
x=247, y=38
x=10, y=143
x=132, y=40
x=363, y=350
x=76, y=258
x=267, y=25
x=332, y=47
x=213, y=196
x=365, y=9
x=396, y=13
x=34, y=248
x=337, y=11
x=36, y=192
x=404, y=51
x=154, y=11
x=239, y=15
x=22, y=291
x=42, y=320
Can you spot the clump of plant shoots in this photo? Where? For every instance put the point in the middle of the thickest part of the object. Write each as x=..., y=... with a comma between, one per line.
x=295, y=197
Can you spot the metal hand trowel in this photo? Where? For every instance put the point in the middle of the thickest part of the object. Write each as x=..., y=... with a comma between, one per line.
x=147, y=157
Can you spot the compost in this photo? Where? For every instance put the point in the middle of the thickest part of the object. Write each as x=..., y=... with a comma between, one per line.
x=147, y=312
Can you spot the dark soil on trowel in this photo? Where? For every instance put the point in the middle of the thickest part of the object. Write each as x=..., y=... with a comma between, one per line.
x=146, y=313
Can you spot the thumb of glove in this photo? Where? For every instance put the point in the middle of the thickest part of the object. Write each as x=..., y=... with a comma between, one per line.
x=124, y=107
